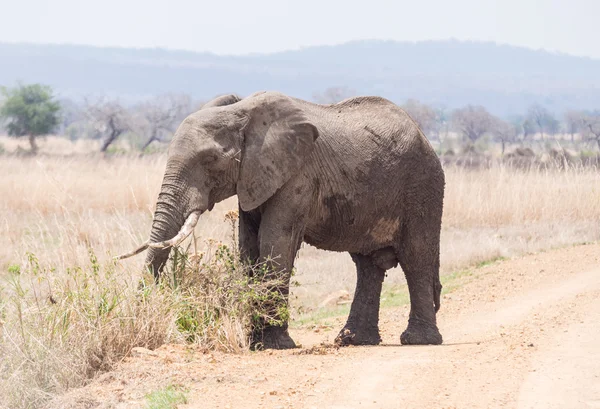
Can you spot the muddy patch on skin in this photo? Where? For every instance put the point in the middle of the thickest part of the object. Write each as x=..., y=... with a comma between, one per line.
x=385, y=230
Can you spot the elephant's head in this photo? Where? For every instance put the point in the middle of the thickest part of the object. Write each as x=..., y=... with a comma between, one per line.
x=250, y=148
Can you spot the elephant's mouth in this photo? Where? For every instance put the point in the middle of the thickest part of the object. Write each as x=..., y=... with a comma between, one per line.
x=184, y=232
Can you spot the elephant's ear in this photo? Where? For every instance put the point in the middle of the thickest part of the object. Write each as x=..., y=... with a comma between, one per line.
x=277, y=140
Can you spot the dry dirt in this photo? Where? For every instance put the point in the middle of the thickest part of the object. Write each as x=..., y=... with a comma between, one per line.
x=522, y=333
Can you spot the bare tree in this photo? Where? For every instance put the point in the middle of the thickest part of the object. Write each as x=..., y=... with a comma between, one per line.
x=472, y=121
x=590, y=127
x=573, y=122
x=523, y=125
x=111, y=119
x=333, y=95
x=422, y=114
x=542, y=119
x=162, y=115
x=503, y=131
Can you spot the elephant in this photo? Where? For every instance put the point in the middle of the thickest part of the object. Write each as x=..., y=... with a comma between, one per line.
x=358, y=176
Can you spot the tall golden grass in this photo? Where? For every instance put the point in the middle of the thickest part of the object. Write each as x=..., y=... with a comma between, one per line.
x=59, y=211
x=502, y=196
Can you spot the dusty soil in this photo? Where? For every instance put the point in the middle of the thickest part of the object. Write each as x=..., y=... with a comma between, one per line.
x=522, y=333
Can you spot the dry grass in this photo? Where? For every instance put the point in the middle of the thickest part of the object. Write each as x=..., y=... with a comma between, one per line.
x=504, y=196
x=60, y=328
x=61, y=208
x=56, y=145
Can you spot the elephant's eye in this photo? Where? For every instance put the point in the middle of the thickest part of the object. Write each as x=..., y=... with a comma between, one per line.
x=208, y=159
x=207, y=155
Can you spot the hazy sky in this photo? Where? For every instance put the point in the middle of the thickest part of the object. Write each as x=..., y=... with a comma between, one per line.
x=247, y=26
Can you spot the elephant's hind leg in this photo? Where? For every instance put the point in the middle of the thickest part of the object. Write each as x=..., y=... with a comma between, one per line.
x=419, y=259
x=362, y=325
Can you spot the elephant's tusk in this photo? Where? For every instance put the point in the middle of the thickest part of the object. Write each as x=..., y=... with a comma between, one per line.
x=185, y=231
x=141, y=248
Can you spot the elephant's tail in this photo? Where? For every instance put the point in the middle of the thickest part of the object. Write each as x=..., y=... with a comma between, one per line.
x=437, y=291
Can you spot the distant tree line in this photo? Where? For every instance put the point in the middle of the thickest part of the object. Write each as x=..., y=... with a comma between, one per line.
x=31, y=111
x=473, y=122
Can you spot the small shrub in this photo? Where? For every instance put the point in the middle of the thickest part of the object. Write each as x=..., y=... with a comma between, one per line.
x=116, y=150
x=584, y=153
x=221, y=299
x=155, y=148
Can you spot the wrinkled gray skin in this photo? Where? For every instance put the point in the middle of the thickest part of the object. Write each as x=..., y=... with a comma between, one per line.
x=357, y=176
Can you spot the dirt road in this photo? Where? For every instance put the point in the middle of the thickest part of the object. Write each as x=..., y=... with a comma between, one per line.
x=522, y=333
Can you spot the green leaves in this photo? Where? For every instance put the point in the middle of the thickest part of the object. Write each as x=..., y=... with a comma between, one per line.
x=30, y=110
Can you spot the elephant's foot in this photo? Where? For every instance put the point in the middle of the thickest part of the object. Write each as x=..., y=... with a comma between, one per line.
x=420, y=332
x=271, y=337
x=354, y=336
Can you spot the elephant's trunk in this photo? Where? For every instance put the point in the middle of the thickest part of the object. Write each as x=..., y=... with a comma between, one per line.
x=164, y=227
x=178, y=209
x=169, y=217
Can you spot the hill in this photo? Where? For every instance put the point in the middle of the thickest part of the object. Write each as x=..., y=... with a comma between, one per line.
x=503, y=78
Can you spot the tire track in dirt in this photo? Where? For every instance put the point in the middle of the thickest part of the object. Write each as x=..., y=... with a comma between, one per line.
x=490, y=353
x=566, y=374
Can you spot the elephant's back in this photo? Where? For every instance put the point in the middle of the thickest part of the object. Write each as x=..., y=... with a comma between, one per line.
x=370, y=132
x=368, y=123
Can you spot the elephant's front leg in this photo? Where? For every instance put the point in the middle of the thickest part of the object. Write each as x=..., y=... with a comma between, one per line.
x=362, y=325
x=279, y=241
x=249, y=223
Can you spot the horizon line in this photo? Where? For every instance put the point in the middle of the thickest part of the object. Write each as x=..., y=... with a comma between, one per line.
x=298, y=49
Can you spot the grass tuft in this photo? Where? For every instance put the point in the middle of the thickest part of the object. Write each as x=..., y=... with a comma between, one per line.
x=167, y=398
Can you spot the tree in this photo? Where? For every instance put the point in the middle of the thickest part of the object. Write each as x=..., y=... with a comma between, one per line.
x=528, y=128
x=573, y=122
x=31, y=111
x=333, y=95
x=422, y=114
x=162, y=114
x=590, y=127
x=472, y=121
x=542, y=119
x=111, y=119
x=503, y=131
